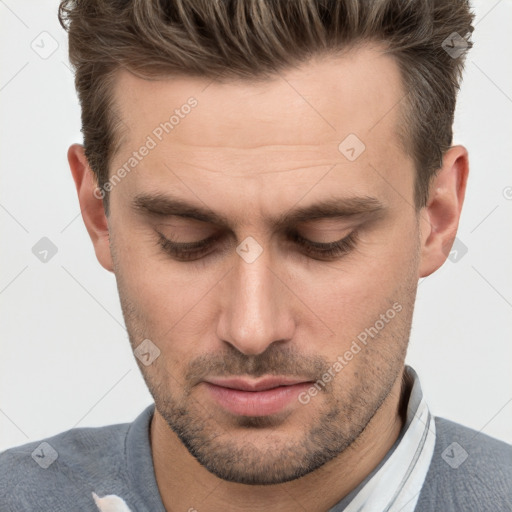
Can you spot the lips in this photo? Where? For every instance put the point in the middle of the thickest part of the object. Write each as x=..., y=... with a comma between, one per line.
x=260, y=385
x=262, y=397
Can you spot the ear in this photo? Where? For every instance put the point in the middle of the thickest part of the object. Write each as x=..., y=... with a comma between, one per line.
x=91, y=204
x=439, y=219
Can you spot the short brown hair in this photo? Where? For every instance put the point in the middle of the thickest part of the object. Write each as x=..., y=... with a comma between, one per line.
x=255, y=39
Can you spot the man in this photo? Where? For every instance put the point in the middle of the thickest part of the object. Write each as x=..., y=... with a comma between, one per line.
x=268, y=181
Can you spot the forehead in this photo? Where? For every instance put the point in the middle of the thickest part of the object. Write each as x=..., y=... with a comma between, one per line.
x=331, y=93
x=265, y=131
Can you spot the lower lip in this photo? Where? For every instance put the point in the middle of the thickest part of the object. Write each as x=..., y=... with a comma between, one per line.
x=256, y=403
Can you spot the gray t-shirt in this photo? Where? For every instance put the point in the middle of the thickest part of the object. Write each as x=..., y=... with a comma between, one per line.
x=62, y=472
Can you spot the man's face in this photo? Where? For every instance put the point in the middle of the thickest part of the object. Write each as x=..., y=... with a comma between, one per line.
x=254, y=154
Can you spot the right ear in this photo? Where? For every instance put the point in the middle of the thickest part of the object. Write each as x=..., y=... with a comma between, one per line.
x=91, y=204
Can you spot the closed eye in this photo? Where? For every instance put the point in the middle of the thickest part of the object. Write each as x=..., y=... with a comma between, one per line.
x=326, y=250
x=191, y=251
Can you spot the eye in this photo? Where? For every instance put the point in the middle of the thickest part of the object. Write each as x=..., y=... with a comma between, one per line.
x=191, y=251
x=329, y=250
x=186, y=251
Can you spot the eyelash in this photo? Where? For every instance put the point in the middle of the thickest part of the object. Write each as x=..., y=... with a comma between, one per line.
x=191, y=251
x=328, y=251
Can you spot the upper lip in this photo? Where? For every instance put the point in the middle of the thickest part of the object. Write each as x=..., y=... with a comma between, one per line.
x=256, y=385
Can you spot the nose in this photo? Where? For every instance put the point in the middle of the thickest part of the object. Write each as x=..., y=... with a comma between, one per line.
x=256, y=307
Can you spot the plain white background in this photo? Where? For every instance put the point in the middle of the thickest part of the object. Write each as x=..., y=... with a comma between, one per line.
x=65, y=359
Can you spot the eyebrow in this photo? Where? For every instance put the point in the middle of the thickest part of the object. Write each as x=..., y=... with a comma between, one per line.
x=164, y=205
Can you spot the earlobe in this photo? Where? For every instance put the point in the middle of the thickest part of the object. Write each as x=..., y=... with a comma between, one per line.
x=91, y=204
x=439, y=219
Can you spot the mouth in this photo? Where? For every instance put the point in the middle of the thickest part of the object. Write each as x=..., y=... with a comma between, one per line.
x=262, y=397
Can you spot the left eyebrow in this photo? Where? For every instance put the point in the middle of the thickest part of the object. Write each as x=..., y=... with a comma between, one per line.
x=165, y=205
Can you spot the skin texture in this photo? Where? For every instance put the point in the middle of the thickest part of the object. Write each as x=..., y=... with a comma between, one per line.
x=251, y=152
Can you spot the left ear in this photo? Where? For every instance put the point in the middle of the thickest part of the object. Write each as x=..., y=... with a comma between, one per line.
x=439, y=219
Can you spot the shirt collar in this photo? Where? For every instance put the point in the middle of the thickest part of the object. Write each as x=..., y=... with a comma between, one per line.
x=395, y=484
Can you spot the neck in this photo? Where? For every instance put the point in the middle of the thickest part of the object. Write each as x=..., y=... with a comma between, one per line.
x=186, y=485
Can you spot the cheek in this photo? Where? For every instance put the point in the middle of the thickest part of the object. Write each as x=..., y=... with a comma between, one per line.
x=147, y=277
x=172, y=300
x=349, y=295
